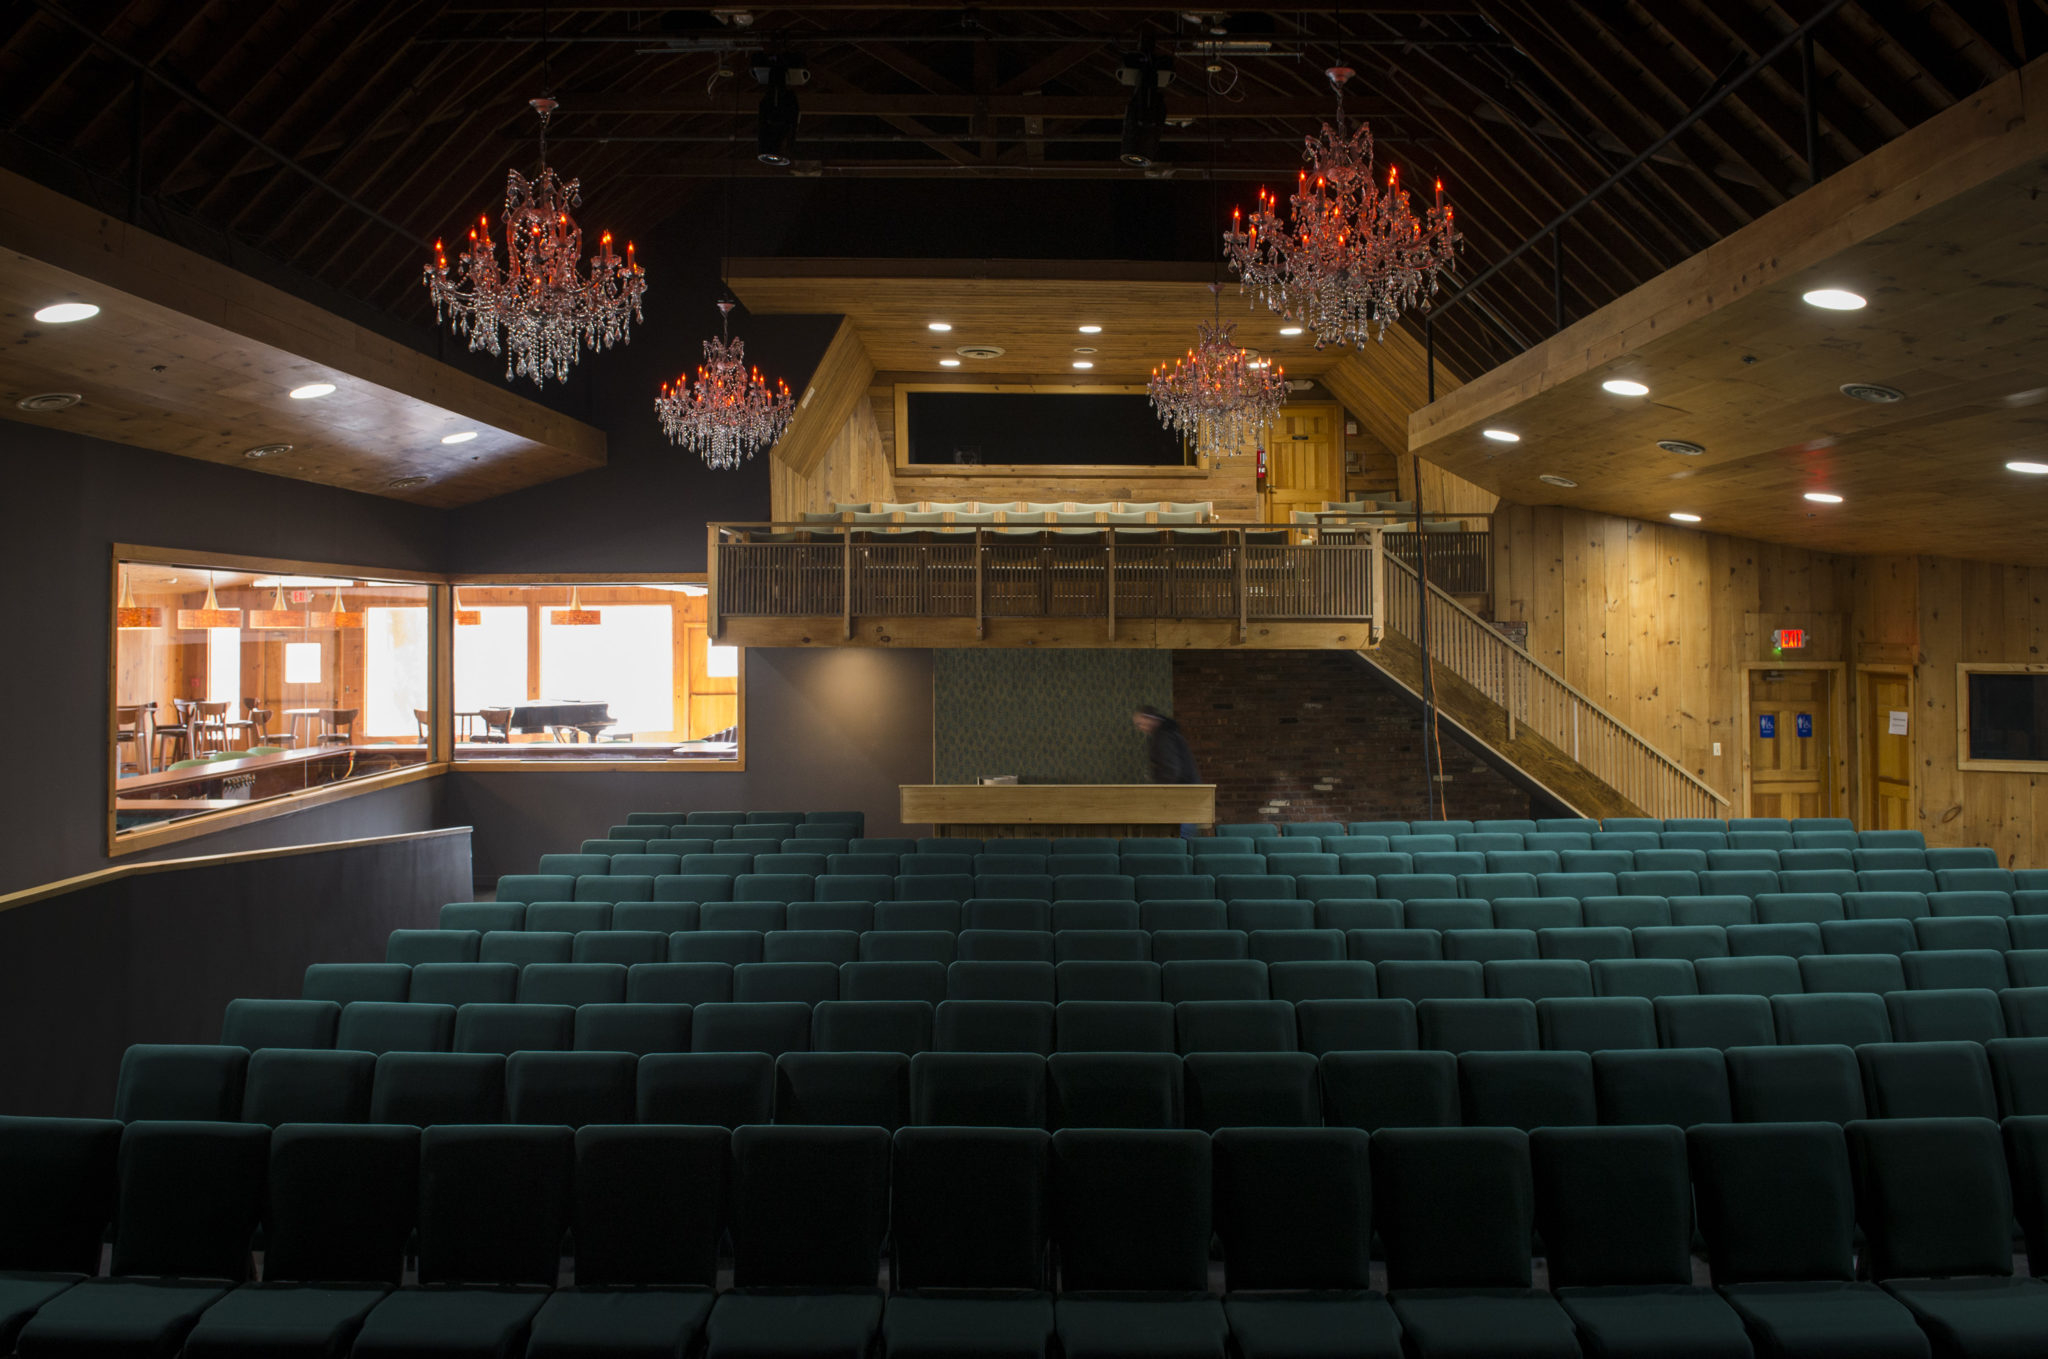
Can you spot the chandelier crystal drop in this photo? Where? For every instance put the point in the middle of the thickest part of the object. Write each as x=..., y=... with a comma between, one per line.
x=1217, y=396
x=1354, y=256
x=729, y=412
x=539, y=309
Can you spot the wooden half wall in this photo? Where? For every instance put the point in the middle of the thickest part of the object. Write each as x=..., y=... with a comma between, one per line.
x=1658, y=623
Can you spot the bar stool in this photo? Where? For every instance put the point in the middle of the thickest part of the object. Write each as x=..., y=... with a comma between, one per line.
x=131, y=723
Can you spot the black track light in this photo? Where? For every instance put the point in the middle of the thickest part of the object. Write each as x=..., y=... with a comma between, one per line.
x=1145, y=117
x=775, y=133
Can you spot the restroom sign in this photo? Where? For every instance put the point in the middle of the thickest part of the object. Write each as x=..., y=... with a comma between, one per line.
x=1803, y=724
x=1767, y=726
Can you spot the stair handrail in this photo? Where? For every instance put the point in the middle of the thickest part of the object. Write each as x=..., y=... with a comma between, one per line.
x=1519, y=664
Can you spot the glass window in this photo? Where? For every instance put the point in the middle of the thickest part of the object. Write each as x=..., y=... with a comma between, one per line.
x=2008, y=716
x=277, y=684
x=605, y=671
x=395, y=671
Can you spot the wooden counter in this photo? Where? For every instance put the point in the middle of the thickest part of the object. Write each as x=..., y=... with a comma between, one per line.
x=1050, y=809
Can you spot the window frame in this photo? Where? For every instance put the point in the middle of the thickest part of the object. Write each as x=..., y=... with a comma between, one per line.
x=1965, y=669
x=571, y=764
x=141, y=838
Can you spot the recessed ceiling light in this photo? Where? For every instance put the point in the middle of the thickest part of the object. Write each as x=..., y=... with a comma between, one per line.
x=459, y=437
x=63, y=313
x=1876, y=393
x=1682, y=517
x=1084, y=363
x=2032, y=469
x=1502, y=436
x=1091, y=330
x=312, y=390
x=1834, y=299
x=406, y=483
x=1625, y=387
x=1552, y=479
x=44, y=402
x=938, y=325
x=949, y=363
x=261, y=451
x=1290, y=330
x=1084, y=349
x=1824, y=497
x=1684, y=448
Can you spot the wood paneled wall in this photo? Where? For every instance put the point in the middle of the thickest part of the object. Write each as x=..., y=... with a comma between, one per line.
x=1656, y=623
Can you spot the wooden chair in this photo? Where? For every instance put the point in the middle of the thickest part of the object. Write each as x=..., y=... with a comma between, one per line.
x=422, y=720
x=497, y=725
x=209, y=723
x=131, y=723
x=261, y=735
x=339, y=726
x=171, y=741
x=241, y=729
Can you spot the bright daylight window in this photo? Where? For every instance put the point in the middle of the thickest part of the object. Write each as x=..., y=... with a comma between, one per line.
x=600, y=672
x=234, y=686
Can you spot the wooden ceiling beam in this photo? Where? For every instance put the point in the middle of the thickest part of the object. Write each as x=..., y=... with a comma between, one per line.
x=1597, y=104
x=1433, y=9
x=854, y=103
x=1672, y=84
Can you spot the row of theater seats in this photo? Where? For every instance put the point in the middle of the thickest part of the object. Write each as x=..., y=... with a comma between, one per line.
x=1016, y=1242
x=1092, y=1089
x=782, y=838
x=1272, y=932
x=1881, y=888
x=611, y=1018
x=1919, y=972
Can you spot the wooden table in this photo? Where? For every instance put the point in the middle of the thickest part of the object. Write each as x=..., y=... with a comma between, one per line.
x=1056, y=809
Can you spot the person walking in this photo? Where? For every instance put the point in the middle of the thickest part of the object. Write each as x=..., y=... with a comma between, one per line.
x=1167, y=752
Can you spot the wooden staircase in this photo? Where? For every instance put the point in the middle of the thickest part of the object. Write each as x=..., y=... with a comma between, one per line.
x=1500, y=697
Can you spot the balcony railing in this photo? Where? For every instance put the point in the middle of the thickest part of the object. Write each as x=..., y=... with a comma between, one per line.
x=1246, y=573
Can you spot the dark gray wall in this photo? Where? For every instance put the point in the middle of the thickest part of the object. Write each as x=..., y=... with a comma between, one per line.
x=826, y=730
x=155, y=957
x=68, y=500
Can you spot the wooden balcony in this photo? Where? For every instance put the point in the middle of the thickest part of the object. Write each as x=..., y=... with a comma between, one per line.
x=1222, y=585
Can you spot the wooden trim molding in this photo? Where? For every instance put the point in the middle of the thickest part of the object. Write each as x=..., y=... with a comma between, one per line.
x=44, y=891
x=206, y=823
x=1964, y=669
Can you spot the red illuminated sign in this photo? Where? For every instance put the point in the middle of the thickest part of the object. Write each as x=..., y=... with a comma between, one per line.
x=1790, y=639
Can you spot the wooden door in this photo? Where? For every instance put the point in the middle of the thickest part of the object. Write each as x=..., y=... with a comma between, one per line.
x=1887, y=797
x=1304, y=461
x=1790, y=773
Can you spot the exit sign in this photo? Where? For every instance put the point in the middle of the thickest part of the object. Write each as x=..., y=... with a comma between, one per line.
x=1789, y=639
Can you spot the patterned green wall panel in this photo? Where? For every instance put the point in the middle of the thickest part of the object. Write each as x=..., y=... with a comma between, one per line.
x=1053, y=716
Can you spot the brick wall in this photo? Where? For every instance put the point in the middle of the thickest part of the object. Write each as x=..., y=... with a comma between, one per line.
x=1318, y=736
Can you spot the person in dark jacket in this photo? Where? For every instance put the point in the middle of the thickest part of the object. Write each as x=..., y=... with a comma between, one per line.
x=1165, y=747
x=1166, y=750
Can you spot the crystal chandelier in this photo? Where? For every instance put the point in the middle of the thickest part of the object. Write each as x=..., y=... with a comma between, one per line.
x=539, y=308
x=1354, y=257
x=730, y=411
x=1218, y=397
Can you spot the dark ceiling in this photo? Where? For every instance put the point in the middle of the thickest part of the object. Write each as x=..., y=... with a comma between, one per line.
x=340, y=138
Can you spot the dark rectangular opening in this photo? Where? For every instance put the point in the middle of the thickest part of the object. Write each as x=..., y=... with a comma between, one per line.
x=2008, y=717
x=998, y=429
